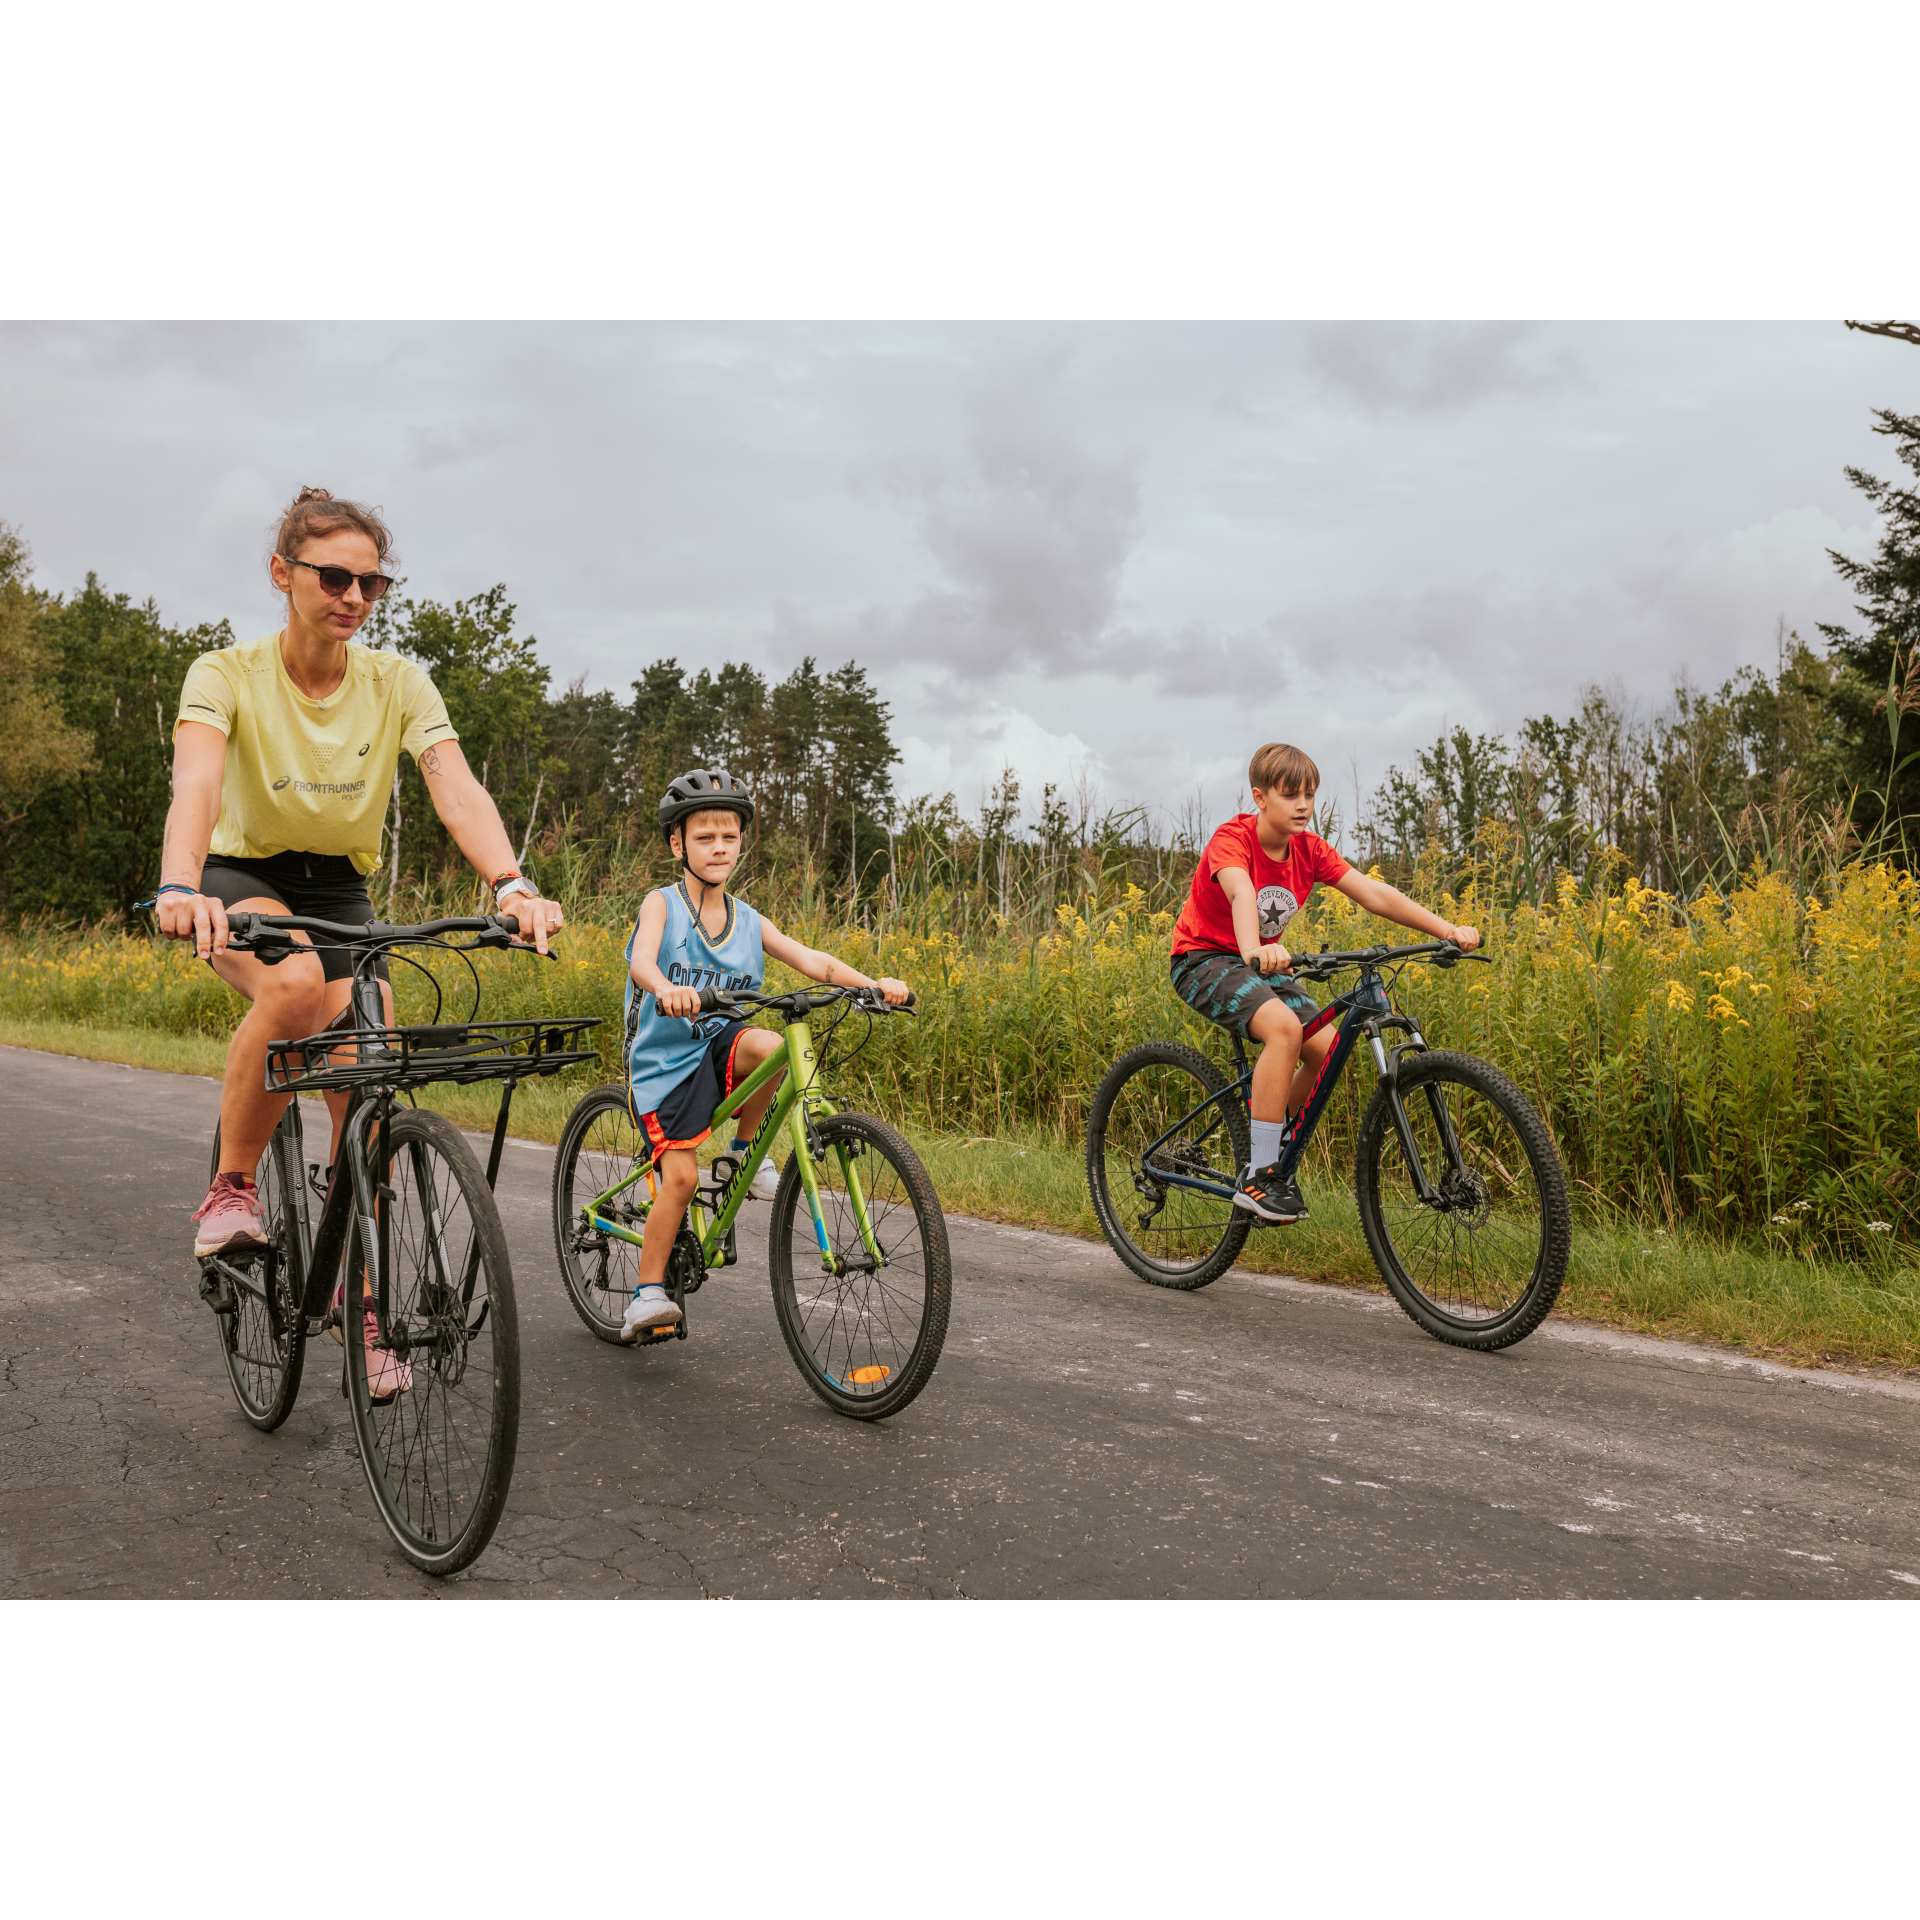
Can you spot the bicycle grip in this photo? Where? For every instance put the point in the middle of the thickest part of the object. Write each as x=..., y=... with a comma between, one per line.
x=498, y=923
x=712, y=999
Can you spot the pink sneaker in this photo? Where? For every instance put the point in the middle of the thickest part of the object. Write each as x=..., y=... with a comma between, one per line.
x=388, y=1376
x=229, y=1218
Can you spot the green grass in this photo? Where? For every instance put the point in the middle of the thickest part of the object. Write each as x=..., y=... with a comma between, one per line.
x=1801, y=1311
x=1681, y=1285
x=130, y=1046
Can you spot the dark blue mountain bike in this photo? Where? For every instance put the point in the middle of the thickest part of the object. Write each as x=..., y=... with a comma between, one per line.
x=1461, y=1193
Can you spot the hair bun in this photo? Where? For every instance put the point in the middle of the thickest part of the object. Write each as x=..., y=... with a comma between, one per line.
x=316, y=513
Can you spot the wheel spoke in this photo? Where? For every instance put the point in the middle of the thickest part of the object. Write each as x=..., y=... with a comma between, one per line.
x=439, y=1450
x=1474, y=1253
x=1154, y=1124
x=864, y=1339
x=264, y=1361
x=599, y=1149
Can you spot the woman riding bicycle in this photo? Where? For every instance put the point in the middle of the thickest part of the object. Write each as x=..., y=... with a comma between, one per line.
x=284, y=752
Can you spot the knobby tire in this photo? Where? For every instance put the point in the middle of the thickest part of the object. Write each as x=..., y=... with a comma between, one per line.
x=1170, y=1236
x=1484, y=1267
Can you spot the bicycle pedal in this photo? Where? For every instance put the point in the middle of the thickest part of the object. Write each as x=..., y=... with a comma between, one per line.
x=215, y=1288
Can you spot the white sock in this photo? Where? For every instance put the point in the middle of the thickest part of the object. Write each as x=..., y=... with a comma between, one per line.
x=1266, y=1141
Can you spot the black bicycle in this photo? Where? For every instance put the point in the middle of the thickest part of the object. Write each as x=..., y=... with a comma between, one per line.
x=425, y=1305
x=1461, y=1193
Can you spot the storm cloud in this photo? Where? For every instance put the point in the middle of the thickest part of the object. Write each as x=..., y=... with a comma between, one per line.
x=1137, y=549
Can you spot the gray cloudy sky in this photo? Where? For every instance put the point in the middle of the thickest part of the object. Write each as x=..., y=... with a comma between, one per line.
x=1142, y=547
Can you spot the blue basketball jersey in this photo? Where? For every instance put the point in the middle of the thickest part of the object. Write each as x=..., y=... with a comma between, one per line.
x=662, y=1052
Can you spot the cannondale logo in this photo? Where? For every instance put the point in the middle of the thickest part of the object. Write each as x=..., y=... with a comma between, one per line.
x=282, y=781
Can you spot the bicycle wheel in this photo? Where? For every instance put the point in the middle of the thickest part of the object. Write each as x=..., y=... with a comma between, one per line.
x=866, y=1336
x=264, y=1342
x=1169, y=1235
x=1482, y=1264
x=439, y=1453
x=598, y=1149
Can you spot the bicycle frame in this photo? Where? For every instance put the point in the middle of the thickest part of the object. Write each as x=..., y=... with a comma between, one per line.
x=792, y=1107
x=1364, y=1012
x=354, y=1205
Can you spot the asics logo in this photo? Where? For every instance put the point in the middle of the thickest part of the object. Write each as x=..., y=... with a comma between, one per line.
x=362, y=753
x=348, y=788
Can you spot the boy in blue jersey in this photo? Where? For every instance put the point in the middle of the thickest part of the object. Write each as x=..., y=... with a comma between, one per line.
x=680, y=1067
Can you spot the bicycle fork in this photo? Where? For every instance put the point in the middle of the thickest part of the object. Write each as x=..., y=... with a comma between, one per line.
x=1387, y=1063
x=806, y=1143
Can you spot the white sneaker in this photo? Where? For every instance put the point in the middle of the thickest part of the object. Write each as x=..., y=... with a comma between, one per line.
x=650, y=1307
x=766, y=1176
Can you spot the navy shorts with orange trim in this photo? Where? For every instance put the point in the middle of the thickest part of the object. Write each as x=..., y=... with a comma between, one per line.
x=685, y=1117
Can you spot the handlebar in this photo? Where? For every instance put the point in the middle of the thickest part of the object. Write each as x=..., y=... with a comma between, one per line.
x=798, y=1004
x=1318, y=966
x=249, y=932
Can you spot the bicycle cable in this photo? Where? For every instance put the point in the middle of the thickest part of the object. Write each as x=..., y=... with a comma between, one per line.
x=823, y=1047
x=866, y=1038
x=439, y=999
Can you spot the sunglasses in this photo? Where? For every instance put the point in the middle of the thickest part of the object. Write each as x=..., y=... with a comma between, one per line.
x=336, y=580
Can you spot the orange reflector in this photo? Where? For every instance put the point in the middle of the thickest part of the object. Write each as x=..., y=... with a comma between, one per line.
x=866, y=1376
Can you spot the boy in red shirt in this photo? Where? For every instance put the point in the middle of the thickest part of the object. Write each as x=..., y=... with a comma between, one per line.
x=1229, y=966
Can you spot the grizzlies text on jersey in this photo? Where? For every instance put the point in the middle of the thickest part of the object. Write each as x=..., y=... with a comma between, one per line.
x=662, y=1052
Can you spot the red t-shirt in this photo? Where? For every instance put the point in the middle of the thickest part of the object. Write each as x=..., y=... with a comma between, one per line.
x=1280, y=886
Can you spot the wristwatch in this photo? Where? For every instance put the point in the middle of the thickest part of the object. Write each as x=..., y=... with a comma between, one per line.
x=514, y=883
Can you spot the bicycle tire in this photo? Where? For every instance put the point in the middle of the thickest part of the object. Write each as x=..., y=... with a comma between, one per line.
x=1482, y=1269
x=1144, y=1091
x=265, y=1360
x=597, y=1148
x=866, y=1344
x=439, y=1455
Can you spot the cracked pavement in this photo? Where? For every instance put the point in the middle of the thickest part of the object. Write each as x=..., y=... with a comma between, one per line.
x=1084, y=1436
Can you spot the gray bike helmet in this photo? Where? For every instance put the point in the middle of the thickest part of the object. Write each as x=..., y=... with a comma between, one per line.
x=704, y=787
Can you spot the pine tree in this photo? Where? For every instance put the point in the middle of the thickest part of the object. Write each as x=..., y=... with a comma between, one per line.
x=1876, y=693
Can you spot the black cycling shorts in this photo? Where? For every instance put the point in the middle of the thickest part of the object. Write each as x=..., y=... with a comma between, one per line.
x=325, y=886
x=1221, y=987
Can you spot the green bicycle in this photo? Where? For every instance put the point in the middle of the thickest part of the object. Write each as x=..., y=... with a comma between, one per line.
x=862, y=1275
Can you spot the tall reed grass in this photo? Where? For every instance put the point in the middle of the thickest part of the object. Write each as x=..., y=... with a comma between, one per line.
x=1746, y=1063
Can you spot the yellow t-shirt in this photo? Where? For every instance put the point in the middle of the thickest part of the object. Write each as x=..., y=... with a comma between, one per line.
x=310, y=776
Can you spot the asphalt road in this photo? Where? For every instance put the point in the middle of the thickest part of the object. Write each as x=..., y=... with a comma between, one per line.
x=1085, y=1435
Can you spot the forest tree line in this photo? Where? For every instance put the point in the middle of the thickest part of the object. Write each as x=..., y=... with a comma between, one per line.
x=1802, y=767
